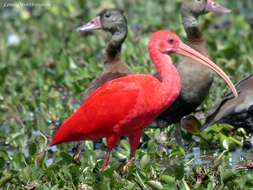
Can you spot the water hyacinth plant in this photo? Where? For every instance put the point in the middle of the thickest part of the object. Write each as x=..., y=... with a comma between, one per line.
x=45, y=67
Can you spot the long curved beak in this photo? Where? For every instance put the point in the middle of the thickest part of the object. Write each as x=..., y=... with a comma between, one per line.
x=189, y=52
x=212, y=6
x=94, y=24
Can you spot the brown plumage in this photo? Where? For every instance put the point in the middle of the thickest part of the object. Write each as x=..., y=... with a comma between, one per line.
x=114, y=22
x=237, y=112
x=195, y=87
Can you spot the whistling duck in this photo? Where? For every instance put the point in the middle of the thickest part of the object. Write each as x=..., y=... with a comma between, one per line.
x=237, y=112
x=196, y=80
x=114, y=22
x=127, y=105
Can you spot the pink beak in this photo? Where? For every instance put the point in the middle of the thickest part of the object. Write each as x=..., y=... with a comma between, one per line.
x=212, y=6
x=94, y=24
x=189, y=52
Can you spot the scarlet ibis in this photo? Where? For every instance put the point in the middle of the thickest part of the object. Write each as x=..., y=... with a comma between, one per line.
x=237, y=112
x=127, y=105
x=196, y=80
x=114, y=22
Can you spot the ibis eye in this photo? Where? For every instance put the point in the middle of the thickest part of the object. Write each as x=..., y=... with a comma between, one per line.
x=171, y=41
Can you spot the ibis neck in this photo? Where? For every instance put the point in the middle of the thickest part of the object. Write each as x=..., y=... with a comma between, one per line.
x=113, y=49
x=169, y=75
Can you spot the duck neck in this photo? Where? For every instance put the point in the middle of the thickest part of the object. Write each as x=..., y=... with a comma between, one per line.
x=190, y=22
x=169, y=75
x=113, y=49
x=197, y=86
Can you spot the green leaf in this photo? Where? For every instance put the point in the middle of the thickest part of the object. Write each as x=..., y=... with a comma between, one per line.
x=32, y=149
x=145, y=161
x=2, y=163
x=179, y=171
x=155, y=185
x=168, y=179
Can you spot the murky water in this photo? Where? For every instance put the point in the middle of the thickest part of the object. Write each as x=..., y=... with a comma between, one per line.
x=235, y=158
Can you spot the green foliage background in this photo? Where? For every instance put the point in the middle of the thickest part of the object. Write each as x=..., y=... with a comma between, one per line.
x=43, y=79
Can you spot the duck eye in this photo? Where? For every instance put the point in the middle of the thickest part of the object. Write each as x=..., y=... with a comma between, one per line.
x=108, y=15
x=171, y=41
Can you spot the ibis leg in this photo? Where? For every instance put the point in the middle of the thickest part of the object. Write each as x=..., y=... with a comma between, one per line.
x=111, y=142
x=134, y=141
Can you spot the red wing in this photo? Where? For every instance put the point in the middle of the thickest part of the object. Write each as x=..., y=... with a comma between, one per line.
x=102, y=110
x=109, y=105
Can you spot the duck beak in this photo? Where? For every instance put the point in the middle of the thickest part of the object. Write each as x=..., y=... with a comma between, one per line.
x=185, y=50
x=94, y=24
x=212, y=6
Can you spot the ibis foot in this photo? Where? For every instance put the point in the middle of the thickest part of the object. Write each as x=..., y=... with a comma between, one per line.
x=105, y=165
x=127, y=166
x=104, y=168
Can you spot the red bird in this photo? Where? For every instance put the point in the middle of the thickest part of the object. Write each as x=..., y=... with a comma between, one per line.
x=127, y=105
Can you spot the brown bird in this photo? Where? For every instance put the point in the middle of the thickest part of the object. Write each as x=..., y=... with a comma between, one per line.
x=114, y=22
x=195, y=87
x=237, y=112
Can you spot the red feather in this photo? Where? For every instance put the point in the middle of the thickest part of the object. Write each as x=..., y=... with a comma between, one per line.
x=127, y=105
x=110, y=110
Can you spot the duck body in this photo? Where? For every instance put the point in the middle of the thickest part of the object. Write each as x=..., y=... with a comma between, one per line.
x=114, y=22
x=237, y=112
